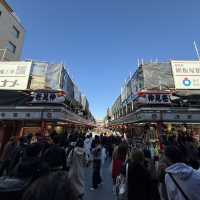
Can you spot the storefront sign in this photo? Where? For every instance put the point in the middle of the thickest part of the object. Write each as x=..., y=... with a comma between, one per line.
x=158, y=99
x=154, y=98
x=47, y=97
x=186, y=74
x=14, y=75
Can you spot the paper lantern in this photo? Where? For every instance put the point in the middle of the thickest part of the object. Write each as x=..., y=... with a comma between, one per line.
x=59, y=129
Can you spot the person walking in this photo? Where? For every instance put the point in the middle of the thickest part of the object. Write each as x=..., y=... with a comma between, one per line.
x=7, y=155
x=77, y=160
x=182, y=181
x=139, y=179
x=87, y=146
x=54, y=183
x=96, y=152
x=118, y=160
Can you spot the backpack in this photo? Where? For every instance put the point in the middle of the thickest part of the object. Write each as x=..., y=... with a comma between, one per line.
x=12, y=188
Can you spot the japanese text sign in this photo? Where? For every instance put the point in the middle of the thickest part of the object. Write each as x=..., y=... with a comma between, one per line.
x=14, y=75
x=46, y=97
x=186, y=74
x=158, y=98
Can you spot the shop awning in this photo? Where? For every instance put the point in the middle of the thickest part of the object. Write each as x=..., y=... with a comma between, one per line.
x=161, y=114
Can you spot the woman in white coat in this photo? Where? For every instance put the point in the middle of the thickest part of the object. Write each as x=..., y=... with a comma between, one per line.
x=77, y=162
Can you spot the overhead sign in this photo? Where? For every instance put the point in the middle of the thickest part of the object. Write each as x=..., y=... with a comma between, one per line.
x=155, y=98
x=47, y=97
x=14, y=75
x=186, y=74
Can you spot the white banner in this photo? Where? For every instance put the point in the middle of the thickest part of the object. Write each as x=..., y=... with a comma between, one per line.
x=186, y=74
x=14, y=75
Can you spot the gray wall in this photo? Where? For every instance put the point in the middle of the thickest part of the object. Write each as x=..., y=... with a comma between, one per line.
x=7, y=21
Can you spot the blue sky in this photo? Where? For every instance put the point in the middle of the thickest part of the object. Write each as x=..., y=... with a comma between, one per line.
x=100, y=40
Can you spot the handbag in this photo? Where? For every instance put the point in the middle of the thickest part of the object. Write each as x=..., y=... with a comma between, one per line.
x=121, y=187
x=179, y=187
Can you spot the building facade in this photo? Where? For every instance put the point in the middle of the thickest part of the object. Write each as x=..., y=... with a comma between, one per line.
x=11, y=34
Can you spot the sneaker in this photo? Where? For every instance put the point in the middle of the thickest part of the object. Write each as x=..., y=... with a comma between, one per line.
x=92, y=189
x=100, y=184
x=113, y=190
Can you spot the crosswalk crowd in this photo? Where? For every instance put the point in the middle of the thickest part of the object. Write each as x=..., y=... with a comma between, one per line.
x=36, y=167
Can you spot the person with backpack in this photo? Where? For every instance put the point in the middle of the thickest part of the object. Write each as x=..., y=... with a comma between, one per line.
x=55, y=184
x=29, y=168
x=182, y=181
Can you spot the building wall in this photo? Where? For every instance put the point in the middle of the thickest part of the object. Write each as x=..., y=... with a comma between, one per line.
x=8, y=20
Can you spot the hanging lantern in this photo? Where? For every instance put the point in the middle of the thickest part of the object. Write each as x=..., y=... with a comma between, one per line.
x=59, y=129
x=49, y=127
x=169, y=127
x=184, y=129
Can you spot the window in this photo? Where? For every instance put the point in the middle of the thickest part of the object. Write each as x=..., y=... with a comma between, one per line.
x=15, y=32
x=11, y=47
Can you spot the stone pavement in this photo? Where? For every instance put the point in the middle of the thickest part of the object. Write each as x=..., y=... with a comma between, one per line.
x=104, y=192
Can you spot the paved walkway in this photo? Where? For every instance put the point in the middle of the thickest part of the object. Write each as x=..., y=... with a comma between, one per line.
x=103, y=192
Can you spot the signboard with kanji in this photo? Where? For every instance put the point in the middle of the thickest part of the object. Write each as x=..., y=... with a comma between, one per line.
x=157, y=98
x=47, y=97
x=186, y=74
x=14, y=75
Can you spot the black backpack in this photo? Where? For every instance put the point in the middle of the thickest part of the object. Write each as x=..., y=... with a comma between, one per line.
x=12, y=188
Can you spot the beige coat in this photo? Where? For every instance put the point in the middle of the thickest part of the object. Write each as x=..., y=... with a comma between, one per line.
x=77, y=162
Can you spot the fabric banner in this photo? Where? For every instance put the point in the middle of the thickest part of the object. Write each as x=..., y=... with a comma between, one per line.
x=77, y=94
x=54, y=76
x=68, y=85
x=38, y=75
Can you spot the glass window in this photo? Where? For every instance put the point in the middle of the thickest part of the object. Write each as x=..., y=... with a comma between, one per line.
x=11, y=47
x=15, y=32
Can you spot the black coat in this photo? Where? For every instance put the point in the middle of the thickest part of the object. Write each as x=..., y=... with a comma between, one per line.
x=55, y=186
x=139, y=182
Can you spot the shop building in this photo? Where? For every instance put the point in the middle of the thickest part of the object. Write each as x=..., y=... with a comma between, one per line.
x=38, y=97
x=164, y=97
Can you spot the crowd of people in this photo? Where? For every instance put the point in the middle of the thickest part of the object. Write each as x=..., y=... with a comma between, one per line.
x=39, y=167
x=172, y=174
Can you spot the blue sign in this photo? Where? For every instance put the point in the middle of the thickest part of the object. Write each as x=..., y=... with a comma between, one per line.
x=187, y=82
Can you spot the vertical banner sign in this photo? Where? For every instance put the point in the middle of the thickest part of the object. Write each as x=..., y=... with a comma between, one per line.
x=186, y=74
x=14, y=75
